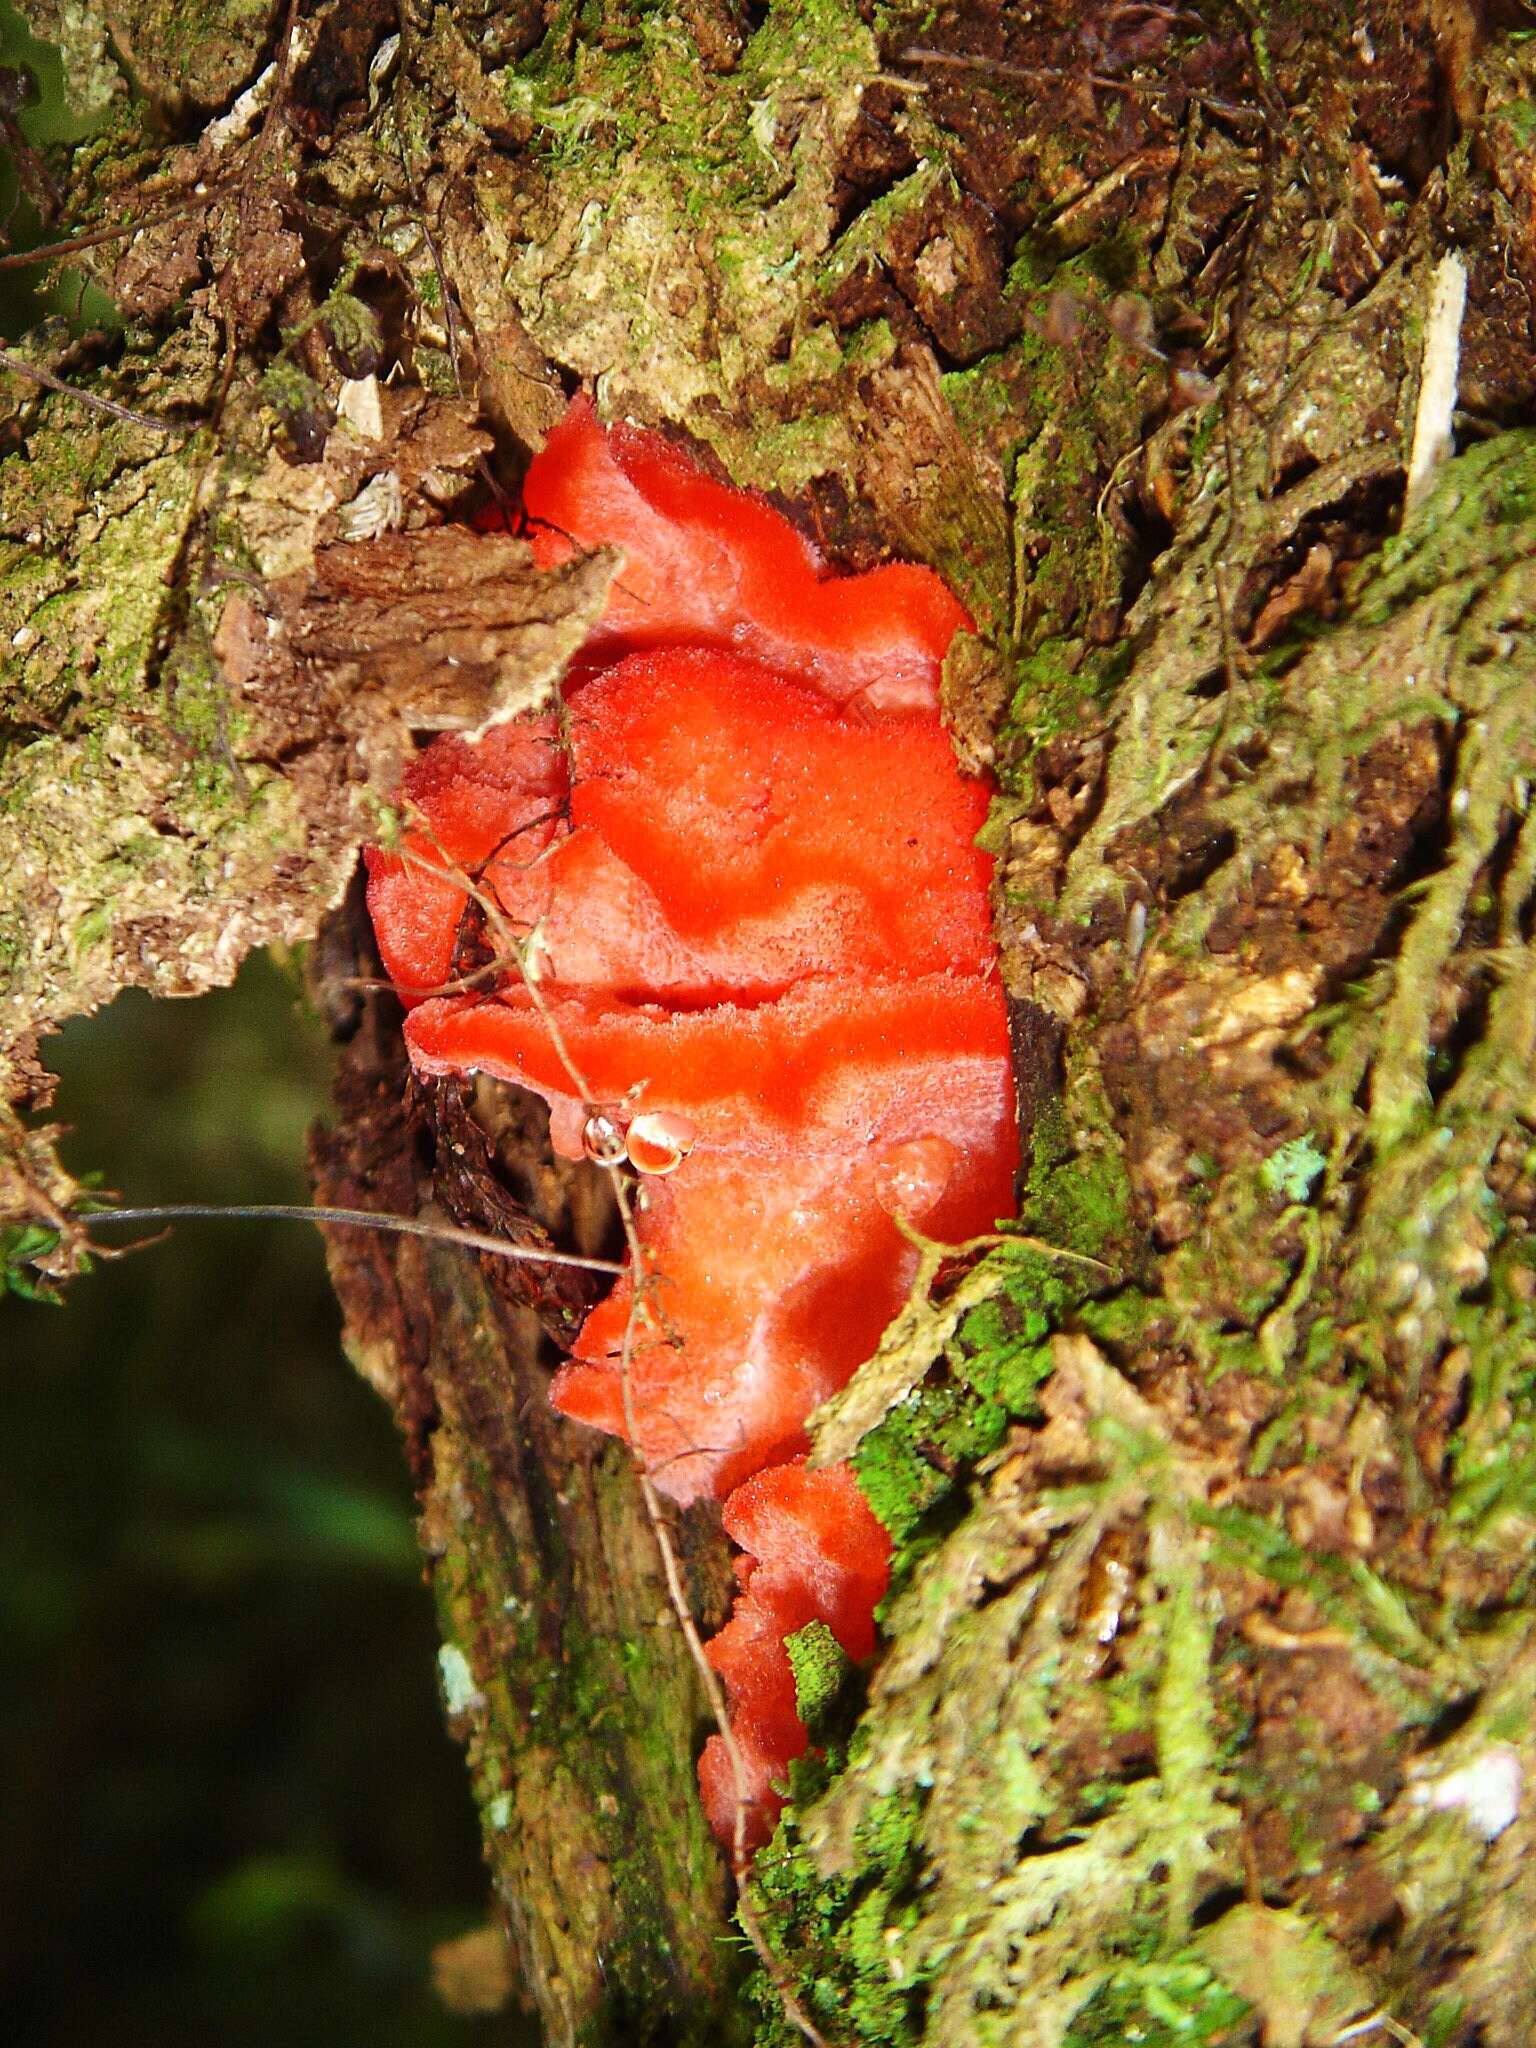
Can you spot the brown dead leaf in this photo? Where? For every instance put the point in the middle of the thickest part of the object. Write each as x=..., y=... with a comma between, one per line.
x=34, y=1186
x=473, y=1974
x=1307, y=591
x=444, y=631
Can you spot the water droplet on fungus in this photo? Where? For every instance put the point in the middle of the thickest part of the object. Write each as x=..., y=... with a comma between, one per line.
x=659, y=1143
x=602, y=1140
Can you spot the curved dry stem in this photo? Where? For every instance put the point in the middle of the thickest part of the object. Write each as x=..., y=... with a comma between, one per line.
x=358, y=1219
x=92, y=400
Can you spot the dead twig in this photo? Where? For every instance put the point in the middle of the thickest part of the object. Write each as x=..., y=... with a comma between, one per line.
x=90, y=399
x=360, y=1219
x=1048, y=74
x=62, y=251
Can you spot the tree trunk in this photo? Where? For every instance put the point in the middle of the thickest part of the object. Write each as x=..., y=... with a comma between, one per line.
x=1204, y=1709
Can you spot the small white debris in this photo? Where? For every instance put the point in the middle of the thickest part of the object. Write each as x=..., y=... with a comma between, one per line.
x=536, y=954
x=1487, y=1791
x=937, y=268
x=461, y=1695
x=242, y=117
x=602, y=1139
x=379, y=507
x=380, y=65
x=763, y=126
x=237, y=124
x=359, y=405
x=1439, y=374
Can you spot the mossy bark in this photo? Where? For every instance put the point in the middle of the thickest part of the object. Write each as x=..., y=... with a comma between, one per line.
x=1205, y=1706
x=563, y=1665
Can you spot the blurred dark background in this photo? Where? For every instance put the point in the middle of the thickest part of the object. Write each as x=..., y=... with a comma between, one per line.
x=229, y=1812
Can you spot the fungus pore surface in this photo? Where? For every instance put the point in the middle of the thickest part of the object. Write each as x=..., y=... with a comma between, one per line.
x=741, y=870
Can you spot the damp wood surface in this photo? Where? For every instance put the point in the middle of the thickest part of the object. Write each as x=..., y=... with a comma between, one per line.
x=1204, y=1710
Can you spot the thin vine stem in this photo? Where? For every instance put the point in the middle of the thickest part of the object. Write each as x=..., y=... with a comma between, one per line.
x=71, y=245
x=1050, y=74
x=359, y=1219
x=92, y=400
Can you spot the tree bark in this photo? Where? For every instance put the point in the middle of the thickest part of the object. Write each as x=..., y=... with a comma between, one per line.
x=1204, y=1708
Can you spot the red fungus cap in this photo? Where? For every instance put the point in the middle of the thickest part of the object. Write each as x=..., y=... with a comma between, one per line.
x=743, y=877
x=705, y=564
x=818, y=1554
x=764, y=915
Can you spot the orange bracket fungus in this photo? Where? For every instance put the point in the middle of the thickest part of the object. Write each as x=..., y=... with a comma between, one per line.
x=756, y=964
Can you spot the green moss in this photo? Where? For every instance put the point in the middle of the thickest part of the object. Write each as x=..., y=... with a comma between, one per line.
x=1052, y=411
x=847, y=1935
x=1001, y=1351
x=1486, y=495
x=980, y=398
x=1035, y=262
x=1123, y=1319
x=921, y=1453
x=994, y=1356
x=1520, y=117
x=758, y=215
x=201, y=50
x=73, y=459
x=1103, y=1901
x=288, y=389
x=584, y=1732
x=908, y=1464
x=695, y=283
x=1445, y=2022
x=93, y=928
x=821, y=1668
x=1185, y=1724
x=1494, y=1451
x=1055, y=688
x=1177, y=2003
x=1378, y=1617
x=1293, y=1168
x=1077, y=1195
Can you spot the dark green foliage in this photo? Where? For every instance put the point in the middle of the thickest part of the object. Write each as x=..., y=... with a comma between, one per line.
x=20, y=1245
x=228, y=1811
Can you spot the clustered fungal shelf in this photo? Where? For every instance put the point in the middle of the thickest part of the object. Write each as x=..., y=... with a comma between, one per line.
x=741, y=867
